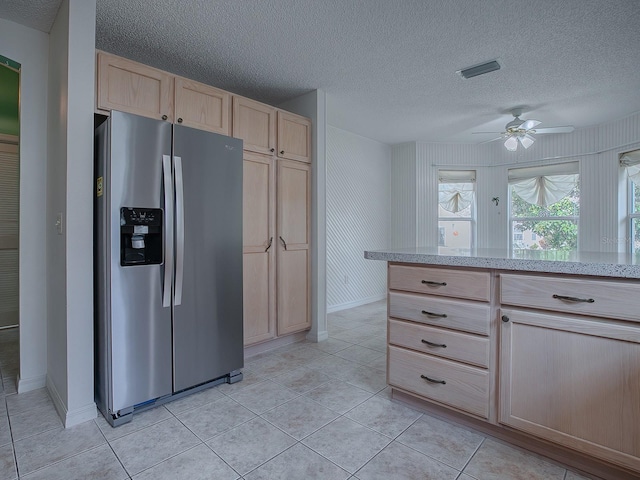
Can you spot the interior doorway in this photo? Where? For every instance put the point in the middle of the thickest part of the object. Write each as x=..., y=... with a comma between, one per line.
x=9, y=221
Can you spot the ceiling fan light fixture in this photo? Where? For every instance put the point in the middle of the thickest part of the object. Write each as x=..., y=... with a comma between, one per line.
x=481, y=69
x=511, y=144
x=526, y=140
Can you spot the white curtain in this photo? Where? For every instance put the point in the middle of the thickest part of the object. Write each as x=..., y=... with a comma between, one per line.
x=631, y=162
x=454, y=197
x=544, y=186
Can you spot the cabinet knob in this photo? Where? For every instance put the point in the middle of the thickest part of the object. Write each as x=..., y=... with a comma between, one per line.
x=281, y=152
x=180, y=120
x=273, y=150
x=505, y=319
x=164, y=117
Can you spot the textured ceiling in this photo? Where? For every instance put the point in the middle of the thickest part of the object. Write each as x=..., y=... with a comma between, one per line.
x=389, y=66
x=37, y=14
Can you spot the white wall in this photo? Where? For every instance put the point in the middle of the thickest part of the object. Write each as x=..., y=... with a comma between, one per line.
x=30, y=48
x=70, y=192
x=603, y=188
x=313, y=105
x=357, y=218
x=403, y=189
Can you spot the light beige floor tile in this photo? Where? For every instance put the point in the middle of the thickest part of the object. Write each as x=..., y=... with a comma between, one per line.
x=368, y=378
x=332, y=345
x=194, y=400
x=361, y=355
x=250, y=444
x=5, y=430
x=303, y=355
x=198, y=463
x=498, y=461
x=263, y=396
x=386, y=393
x=29, y=423
x=377, y=342
x=271, y=365
x=7, y=463
x=154, y=444
x=398, y=462
x=300, y=417
x=351, y=336
x=52, y=446
x=380, y=363
x=33, y=400
x=333, y=366
x=301, y=380
x=347, y=443
x=338, y=395
x=214, y=418
x=298, y=463
x=99, y=462
x=249, y=377
x=139, y=421
x=447, y=443
x=388, y=418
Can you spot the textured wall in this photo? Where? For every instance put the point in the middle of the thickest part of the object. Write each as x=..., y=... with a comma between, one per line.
x=603, y=225
x=357, y=218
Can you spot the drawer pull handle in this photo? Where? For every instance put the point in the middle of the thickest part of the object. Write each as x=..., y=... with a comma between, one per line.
x=431, y=314
x=432, y=380
x=441, y=345
x=574, y=299
x=434, y=284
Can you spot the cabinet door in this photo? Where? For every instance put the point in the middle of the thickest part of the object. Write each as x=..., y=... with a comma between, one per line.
x=294, y=137
x=258, y=248
x=574, y=381
x=293, y=223
x=131, y=87
x=202, y=106
x=255, y=123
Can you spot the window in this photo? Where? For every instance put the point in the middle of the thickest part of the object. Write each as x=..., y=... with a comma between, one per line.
x=544, y=210
x=631, y=162
x=456, y=210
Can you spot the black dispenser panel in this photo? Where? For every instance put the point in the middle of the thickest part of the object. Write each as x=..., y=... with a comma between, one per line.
x=140, y=236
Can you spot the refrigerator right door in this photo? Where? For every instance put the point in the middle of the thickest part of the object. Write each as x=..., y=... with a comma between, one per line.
x=207, y=312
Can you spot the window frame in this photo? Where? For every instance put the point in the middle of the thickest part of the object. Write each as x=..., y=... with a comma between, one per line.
x=631, y=215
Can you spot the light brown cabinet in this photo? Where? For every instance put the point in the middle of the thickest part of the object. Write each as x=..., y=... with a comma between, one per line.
x=294, y=137
x=202, y=106
x=255, y=124
x=132, y=87
x=293, y=257
x=135, y=88
x=258, y=248
x=440, y=348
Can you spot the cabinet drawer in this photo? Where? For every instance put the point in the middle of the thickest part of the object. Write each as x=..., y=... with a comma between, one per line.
x=441, y=281
x=443, y=343
x=602, y=298
x=459, y=315
x=464, y=387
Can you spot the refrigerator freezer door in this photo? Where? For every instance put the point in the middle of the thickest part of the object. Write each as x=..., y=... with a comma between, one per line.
x=140, y=325
x=207, y=325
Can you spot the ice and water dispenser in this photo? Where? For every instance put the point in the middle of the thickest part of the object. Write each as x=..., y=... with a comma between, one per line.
x=140, y=236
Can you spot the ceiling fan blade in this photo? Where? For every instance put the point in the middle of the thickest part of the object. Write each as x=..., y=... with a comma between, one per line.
x=526, y=140
x=485, y=133
x=492, y=140
x=511, y=144
x=529, y=124
x=565, y=129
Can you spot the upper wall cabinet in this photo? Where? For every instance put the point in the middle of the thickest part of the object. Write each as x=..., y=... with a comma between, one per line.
x=131, y=87
x=202, y=106
x=294, y=137
x=135, y=88
x=255, y=123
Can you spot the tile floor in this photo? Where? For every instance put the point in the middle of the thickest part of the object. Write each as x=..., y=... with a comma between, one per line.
x=304, y=411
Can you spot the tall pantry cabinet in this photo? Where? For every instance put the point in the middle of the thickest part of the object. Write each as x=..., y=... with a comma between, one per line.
x=277, y=208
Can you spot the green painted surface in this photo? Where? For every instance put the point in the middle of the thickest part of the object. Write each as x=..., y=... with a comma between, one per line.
x=9, y=98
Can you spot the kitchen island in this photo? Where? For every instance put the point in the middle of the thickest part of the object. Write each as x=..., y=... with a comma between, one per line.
x=542, y=353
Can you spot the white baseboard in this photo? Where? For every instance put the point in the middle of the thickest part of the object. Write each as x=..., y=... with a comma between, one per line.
x=70, y=417
x=318, y=336
x=355, y=303
x=31, y=383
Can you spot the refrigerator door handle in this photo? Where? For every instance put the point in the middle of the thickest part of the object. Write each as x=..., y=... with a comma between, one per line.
x=168, y=230
x=177, y=300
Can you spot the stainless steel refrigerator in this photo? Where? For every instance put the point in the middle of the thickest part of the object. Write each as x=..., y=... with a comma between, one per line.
x=168, y=262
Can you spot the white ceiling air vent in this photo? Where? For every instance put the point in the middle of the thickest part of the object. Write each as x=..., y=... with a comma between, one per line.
x=481, y=69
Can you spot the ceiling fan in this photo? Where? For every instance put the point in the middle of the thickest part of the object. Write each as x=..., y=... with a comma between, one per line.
x=523, y=131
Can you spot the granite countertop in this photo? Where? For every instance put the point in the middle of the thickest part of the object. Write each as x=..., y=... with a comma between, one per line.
x=579, y=263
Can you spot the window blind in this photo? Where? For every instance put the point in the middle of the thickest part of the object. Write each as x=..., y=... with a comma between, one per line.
x=544, y=185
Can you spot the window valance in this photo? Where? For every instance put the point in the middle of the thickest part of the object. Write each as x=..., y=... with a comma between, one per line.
x=544, y=185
